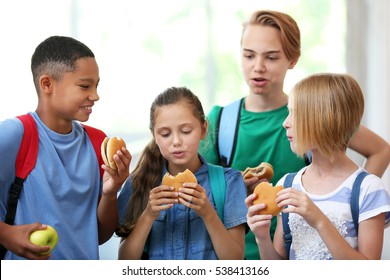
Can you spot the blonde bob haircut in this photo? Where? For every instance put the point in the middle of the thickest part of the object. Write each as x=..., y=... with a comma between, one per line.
x=327, y=112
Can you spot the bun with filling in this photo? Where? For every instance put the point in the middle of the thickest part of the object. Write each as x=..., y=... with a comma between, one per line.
x=177, y=181
x=263, y=171
x=109, y=148
x=266, y=193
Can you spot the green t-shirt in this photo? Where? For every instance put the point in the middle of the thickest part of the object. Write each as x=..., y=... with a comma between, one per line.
x=261, y=138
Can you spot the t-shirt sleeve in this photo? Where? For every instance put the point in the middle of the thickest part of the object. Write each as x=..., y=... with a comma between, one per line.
x=10, y=139
x=208, y=146
x=374, y=199
x=123, y=199
x=235, y=209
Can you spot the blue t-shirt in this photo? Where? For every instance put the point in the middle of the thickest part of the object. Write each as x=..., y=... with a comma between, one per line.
x=179, y=232
x=62, y=190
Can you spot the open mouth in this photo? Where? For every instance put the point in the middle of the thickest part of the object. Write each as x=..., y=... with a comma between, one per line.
x=86, y=108
x=259, y=82
x=259, y=79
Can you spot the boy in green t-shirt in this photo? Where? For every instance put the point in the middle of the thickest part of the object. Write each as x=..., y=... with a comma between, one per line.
x=270, y=45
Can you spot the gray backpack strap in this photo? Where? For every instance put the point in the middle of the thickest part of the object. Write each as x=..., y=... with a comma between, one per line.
x=308, y=157
x=355, y=198
x=228, y=124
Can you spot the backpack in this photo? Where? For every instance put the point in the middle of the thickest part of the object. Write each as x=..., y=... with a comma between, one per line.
x=227, y=128
x=227, y=131
x=218, y=187
x=218, y=190
x=355, y=193
x=26, y=159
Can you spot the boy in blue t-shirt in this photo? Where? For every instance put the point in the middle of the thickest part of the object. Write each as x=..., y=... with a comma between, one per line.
x=64, y=190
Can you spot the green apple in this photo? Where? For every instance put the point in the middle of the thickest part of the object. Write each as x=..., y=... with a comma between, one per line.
x=45, y=237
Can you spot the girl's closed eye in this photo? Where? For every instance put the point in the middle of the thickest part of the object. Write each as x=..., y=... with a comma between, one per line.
x=165, y=134
x=187, y=131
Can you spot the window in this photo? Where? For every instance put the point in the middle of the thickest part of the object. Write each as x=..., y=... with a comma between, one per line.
x=143, y=47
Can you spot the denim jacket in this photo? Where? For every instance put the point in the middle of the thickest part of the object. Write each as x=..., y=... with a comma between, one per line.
x=179, y=233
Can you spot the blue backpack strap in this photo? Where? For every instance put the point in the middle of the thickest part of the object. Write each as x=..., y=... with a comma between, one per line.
x=218, y=187
x=286, y=228
x=228, y=124
x=355, y=198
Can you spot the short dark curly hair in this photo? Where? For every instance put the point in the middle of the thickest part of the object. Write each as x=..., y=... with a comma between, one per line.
x=57, y=55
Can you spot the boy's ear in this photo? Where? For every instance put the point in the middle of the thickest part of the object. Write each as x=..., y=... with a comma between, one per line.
x=293, y=63
x=46, y=83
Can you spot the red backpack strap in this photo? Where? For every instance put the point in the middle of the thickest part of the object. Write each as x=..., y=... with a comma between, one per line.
x=28, y=151
x=25, y=162
x=96, y=136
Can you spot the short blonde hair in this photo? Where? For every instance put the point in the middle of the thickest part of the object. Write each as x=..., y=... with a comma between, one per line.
x=290, y=35
x=327, y=112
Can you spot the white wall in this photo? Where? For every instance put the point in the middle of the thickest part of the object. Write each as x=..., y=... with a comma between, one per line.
x=368, y=60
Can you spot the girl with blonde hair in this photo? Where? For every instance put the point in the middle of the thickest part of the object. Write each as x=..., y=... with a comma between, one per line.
x=325, y=111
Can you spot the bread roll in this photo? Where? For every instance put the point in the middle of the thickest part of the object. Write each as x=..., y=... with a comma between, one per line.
x=263, y=171
x=177, y=181
x=109, y=148
x=266, y=193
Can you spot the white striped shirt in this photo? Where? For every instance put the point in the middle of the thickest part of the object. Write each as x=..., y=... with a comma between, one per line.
x=374, y=199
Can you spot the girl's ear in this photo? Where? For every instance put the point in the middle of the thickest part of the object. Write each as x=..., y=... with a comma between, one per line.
x=204, y=130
